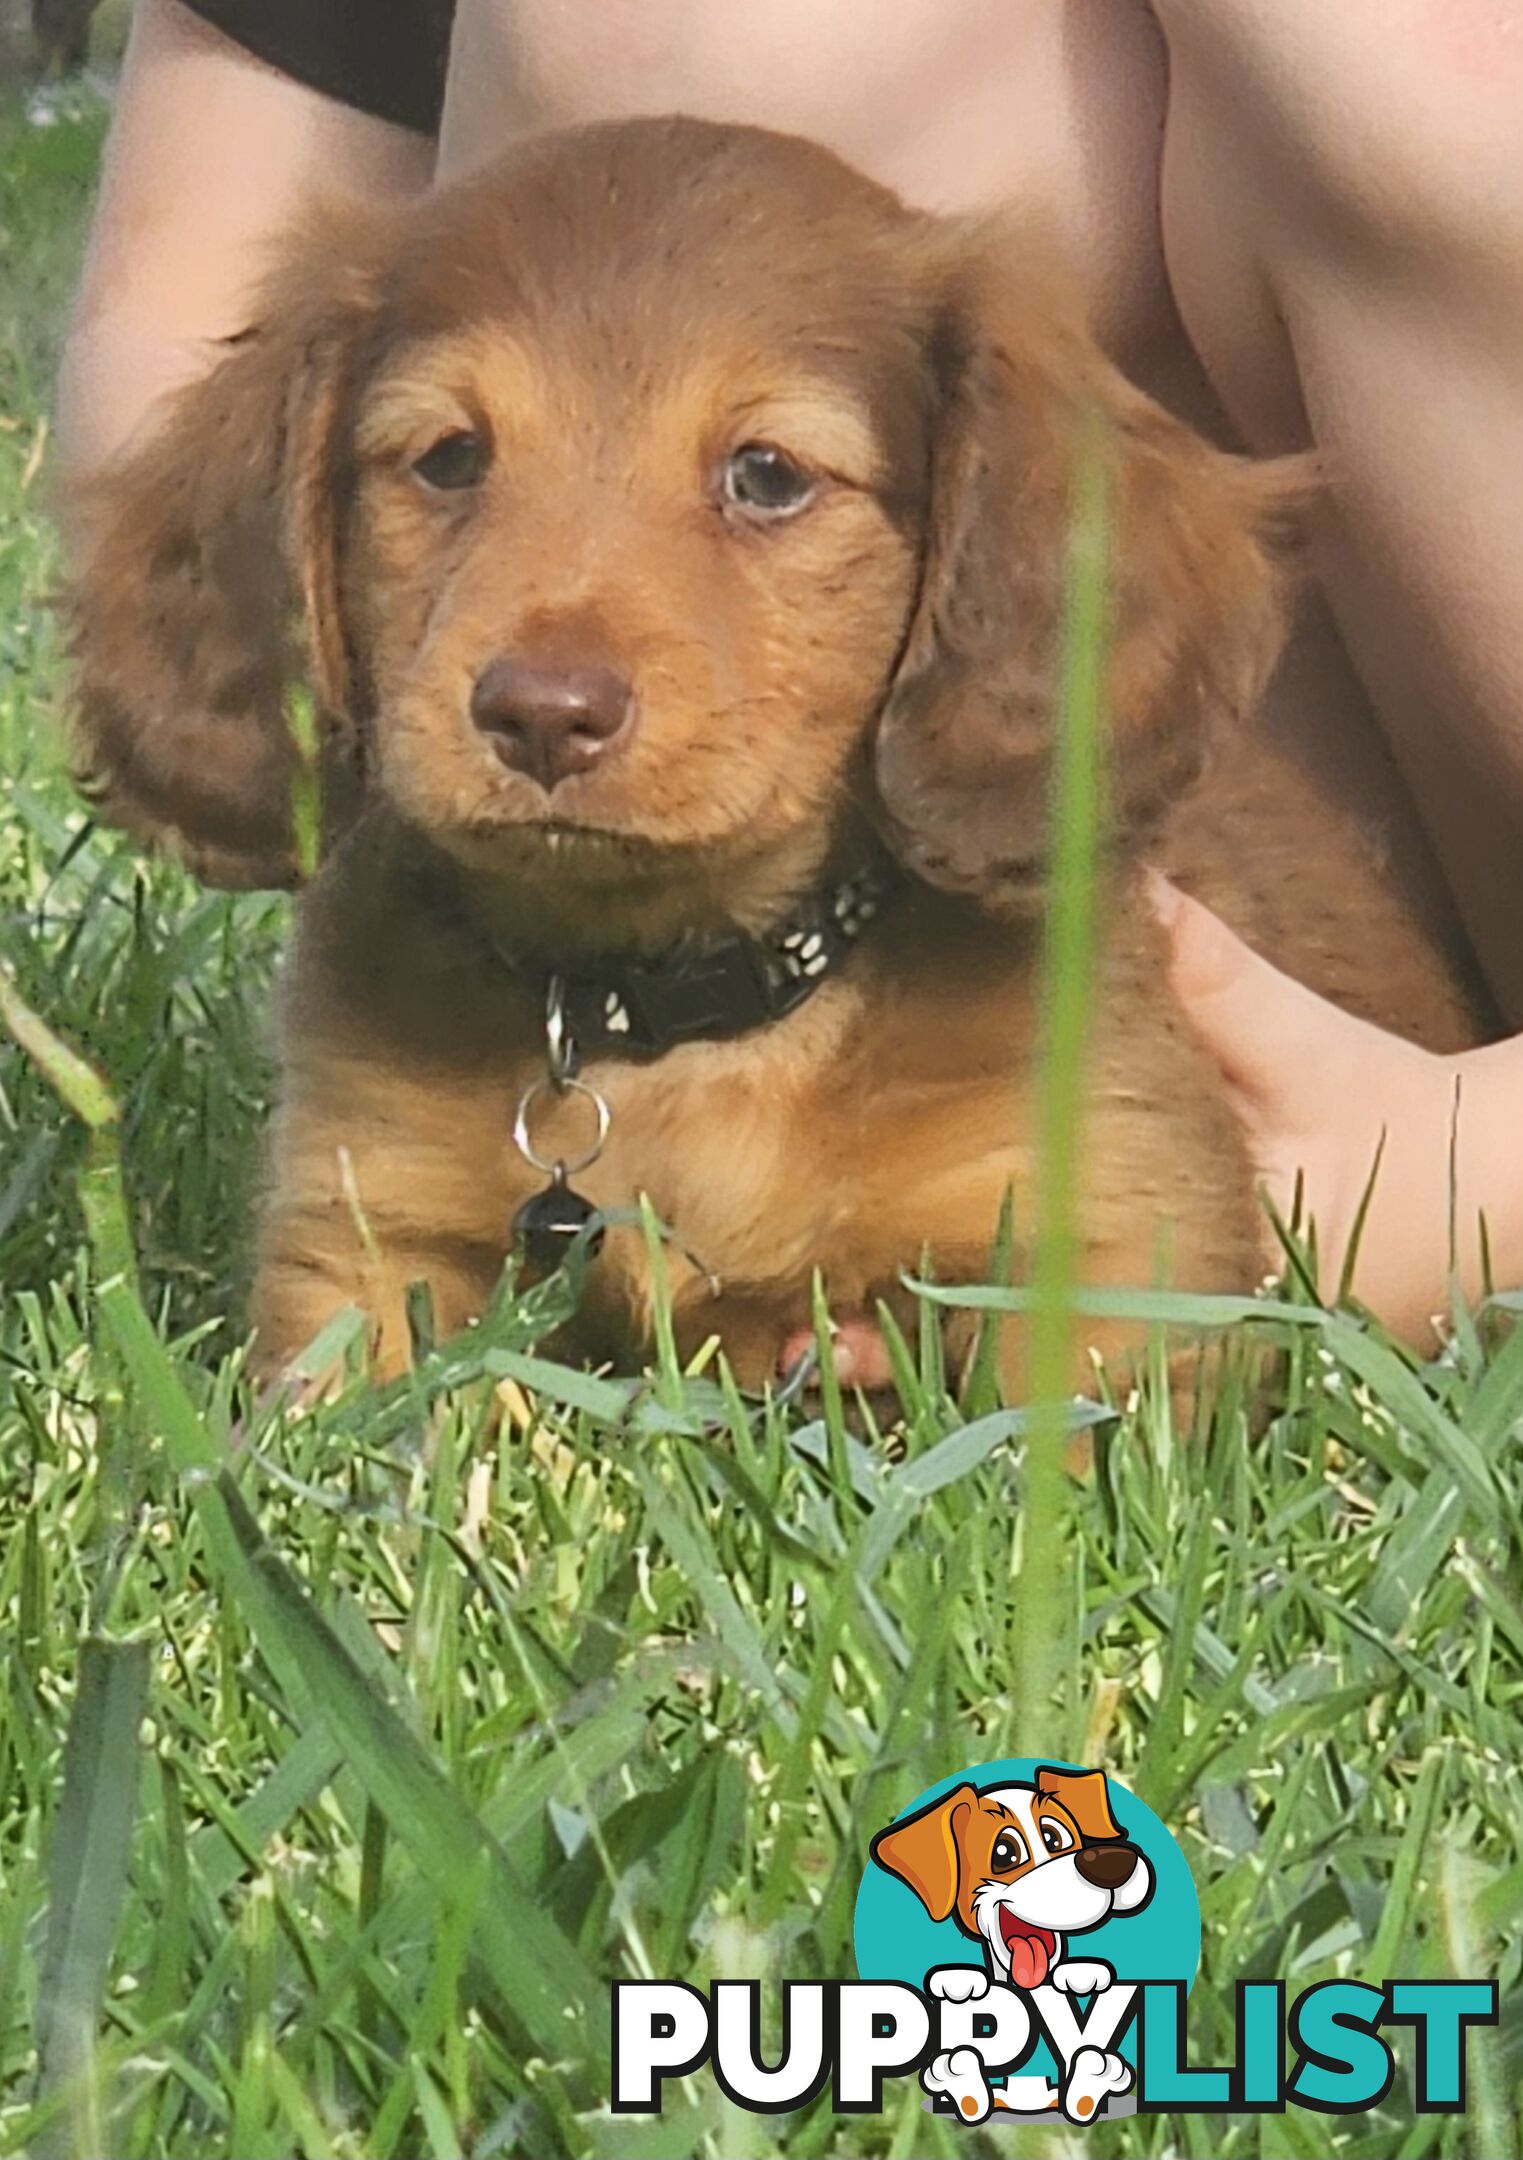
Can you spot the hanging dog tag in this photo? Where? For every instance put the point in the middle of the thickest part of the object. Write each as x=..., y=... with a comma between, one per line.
x=545, y=1226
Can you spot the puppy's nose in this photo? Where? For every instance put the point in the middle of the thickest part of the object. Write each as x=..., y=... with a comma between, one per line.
x=1107, y=1867
x=550, y=722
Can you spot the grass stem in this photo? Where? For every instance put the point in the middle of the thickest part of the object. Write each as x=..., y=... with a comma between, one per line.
x=1041, y=1601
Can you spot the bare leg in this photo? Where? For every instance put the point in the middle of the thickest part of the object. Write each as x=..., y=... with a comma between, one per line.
x=1343, y=216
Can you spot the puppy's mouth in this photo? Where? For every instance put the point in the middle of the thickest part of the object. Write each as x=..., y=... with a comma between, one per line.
x=558, y=834
x=578, y=843
x=1031, y=1949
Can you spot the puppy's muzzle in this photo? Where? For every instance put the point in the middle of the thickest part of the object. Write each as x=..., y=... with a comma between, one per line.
x=551, y=723
x=1106, y=1867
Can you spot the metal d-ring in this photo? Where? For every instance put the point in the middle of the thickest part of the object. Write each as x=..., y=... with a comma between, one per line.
x=559, y=1166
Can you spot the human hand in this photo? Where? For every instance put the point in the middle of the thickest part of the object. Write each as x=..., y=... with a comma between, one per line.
x=1318, y=1091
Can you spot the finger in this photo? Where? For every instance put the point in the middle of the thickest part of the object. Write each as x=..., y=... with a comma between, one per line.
x=1274, y=1039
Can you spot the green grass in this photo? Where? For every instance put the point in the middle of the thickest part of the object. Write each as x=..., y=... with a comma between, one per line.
x=335, y=1770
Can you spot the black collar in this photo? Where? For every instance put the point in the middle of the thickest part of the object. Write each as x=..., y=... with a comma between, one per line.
x=631, y=1006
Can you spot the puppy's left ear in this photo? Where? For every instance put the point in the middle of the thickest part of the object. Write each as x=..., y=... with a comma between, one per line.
x=966, y=734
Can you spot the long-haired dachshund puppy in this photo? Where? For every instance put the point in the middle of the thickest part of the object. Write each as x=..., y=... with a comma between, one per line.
x=671, y=527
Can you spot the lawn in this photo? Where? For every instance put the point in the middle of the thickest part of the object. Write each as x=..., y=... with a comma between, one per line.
x=336, y=1785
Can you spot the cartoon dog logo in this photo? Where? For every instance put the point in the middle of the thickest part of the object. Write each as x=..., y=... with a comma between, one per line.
x=1021, y=1869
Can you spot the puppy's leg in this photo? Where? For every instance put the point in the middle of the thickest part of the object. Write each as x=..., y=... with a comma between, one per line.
x=379, y=1180
x=752, y=1330
x=310, y=1270
x=1160, y=1199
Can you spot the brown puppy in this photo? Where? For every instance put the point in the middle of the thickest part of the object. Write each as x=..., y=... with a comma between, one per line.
x=672, y=525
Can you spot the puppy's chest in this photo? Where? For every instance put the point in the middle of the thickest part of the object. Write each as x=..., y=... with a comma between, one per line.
x=822, y=1143
x=745, y=1161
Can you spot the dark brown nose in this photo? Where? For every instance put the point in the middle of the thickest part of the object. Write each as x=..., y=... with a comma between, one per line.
x=550, y=722
x=1106, y=1866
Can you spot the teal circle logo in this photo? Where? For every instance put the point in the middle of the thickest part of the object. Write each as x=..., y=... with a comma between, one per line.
x=1029, y=1875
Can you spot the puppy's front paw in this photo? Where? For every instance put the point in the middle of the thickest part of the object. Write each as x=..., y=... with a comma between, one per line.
x=1092, y=2078
x=957, y=2074
x=958, y=1983
x=1082, y=1976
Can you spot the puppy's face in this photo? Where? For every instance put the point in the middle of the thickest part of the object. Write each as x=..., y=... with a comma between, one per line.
x=667, y=499
x=685, y=487
x=1019, y=1867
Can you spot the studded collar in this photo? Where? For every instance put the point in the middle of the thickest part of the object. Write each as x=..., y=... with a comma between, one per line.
x=638, y=1007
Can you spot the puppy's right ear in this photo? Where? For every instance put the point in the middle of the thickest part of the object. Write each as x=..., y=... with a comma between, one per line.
x=922, y=1850
x=206, y=580
x=968, y=730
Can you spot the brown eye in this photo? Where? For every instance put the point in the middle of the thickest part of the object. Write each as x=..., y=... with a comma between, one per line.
x=455, y=461
x=765, y=482
x=1009, y=1852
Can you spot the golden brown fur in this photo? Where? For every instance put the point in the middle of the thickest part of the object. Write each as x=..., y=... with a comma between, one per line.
x=614, y=312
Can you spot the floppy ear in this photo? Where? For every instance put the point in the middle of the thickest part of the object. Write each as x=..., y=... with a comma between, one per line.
x=207, y=579
x=1086, y=1796
x=922, y=1850
x=966, y=734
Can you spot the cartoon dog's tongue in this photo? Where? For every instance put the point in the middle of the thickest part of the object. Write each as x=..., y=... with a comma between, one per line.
x=1031, y=1949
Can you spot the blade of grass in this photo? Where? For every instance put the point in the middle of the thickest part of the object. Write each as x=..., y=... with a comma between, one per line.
x=1164, y=1308
x=171, y=1949
x=668, y=1364
x=1066, y=984
x=1493, y=2124
x=87, y=1883
x=253, y=2097
x=1388, y=1952
x=306, y=782
x=980, y=1392
x=305, y=2124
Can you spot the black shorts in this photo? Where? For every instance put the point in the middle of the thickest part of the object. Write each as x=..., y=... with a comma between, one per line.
x=385, y=57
